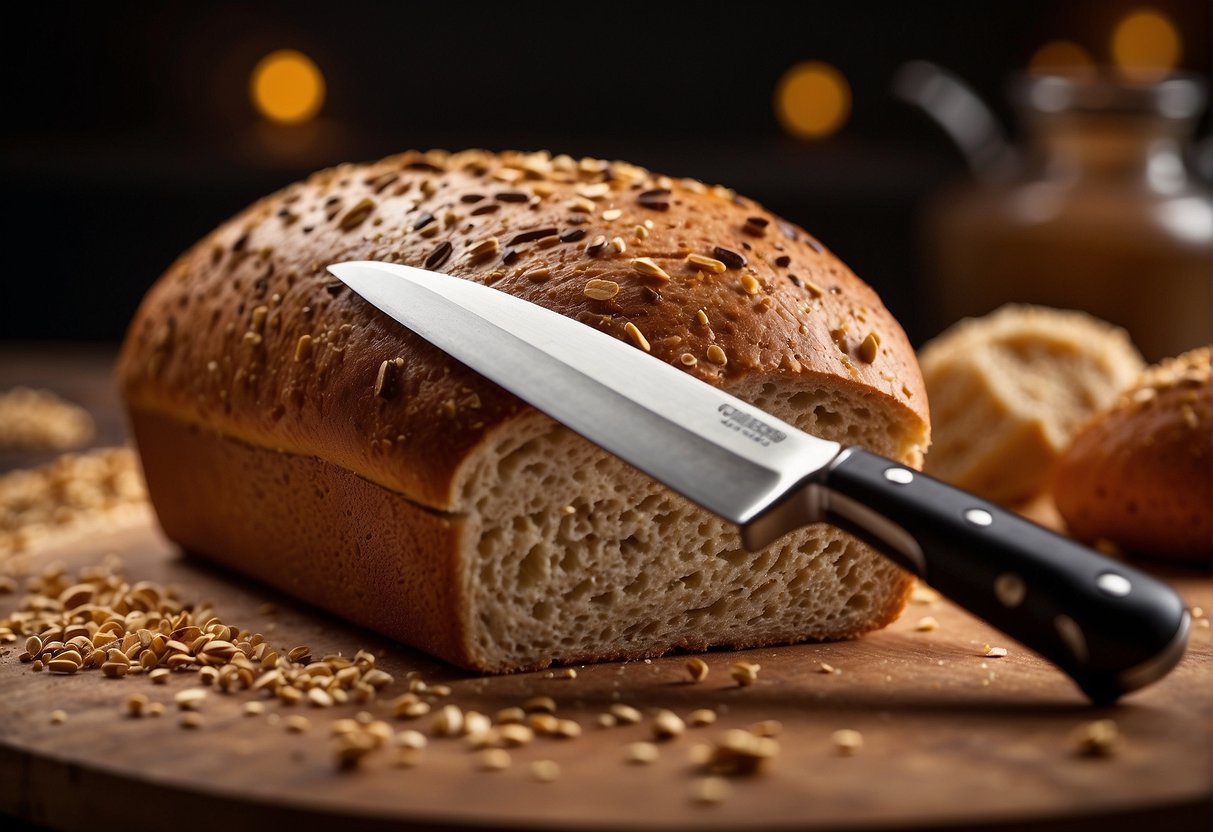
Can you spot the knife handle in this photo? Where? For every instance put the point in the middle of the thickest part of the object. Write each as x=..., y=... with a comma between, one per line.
x=1112, y=628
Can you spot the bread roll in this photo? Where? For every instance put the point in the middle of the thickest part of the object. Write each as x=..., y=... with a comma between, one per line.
x=1139, y=474
x=291, y=431
x=1008, y=391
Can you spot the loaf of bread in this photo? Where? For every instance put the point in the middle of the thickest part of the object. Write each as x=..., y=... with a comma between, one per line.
x=292, y=432
x=1008, y=390
x=1138, y=474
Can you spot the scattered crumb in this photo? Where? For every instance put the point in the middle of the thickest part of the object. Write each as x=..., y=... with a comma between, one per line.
x=1098, y=738
x=710, y=791
x=847, y=742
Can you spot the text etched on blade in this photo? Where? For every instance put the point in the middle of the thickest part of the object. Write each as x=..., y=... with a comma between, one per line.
x=751, y=427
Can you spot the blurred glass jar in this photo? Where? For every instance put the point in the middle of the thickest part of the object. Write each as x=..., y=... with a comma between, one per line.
x=1101, y=213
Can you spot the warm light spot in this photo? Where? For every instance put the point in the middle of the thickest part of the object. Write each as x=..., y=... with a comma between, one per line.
x=1145, y=44
x=812, y=100
x=1062, y=57
x=287, y=86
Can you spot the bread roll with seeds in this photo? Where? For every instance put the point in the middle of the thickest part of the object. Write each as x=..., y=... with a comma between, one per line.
x=1139, y=473
x=291, y=431
x=1008, y=390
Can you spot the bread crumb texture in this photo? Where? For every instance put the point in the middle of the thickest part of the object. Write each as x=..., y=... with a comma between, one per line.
x=1009, y=390
x=310, y=413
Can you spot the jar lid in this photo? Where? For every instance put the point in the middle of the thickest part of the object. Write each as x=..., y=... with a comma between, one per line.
x=1177, y=96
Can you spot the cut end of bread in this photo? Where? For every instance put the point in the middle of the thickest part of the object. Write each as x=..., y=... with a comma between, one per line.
x=572, y=556
x=1007, y=392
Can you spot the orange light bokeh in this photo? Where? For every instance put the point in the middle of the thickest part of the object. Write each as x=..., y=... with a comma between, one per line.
x=1146, y=44
x=287, y=87
x=812, y=100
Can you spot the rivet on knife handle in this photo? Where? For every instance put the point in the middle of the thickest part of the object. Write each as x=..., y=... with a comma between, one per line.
x=1111, y=627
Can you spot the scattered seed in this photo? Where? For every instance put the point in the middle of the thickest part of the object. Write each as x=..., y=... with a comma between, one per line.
x=65, y=666
x=926, y=624
x=509, y=716
x=297, y=724
x=566, y=729
x=687, y=359
x=767, y=728
x=545, y=771
x=190, y=720
x=596, y=245
x=619, y=245
x=626, y=714
x=745, y=673
x=750, y=284
x=449, y=722
x=253, y=708
x=190, y=699
x=739, y=753
x=611, y=215
x=667, y=725
x=540, y=704
x=641, y=753
x=1097, y=738
x=701, y=717
x=710, y=791
x=826, y=668
x=996, y=652
x=696, y=667
x=58, y=717
x=847, y=742
x=717, y=355
x=514, y=735
x=493, y=759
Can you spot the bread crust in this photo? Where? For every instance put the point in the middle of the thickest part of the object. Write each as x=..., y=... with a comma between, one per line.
x=217, y=341
x=1139, y=473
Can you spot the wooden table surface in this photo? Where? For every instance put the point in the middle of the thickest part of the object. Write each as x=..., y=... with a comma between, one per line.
x=952, y=738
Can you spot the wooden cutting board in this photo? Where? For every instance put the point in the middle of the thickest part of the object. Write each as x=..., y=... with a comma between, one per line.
x=951, y=737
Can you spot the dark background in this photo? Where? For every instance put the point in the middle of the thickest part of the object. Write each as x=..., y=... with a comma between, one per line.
x=128, y=132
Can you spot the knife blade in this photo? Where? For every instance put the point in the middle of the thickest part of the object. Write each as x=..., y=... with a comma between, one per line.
x=1111, y=627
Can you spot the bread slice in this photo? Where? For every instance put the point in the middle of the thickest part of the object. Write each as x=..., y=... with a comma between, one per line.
x=292, y=432
x=1008, y=390
x=1140, y=474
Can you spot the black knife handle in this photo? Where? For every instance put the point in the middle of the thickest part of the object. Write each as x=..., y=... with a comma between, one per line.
x=1112, y=628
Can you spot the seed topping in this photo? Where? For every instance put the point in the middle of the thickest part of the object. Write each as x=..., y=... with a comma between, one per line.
x=597, y=289
x=439, y=255
x=657, y=199
x=705, y=264
x=649, y=268
x=533, y=234
x=731, y=259
x=637, y=336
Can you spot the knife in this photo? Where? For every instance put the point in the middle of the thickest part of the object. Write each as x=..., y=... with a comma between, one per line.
x=1112, y=628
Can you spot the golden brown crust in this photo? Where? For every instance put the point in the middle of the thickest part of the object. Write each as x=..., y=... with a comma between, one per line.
x=1139, y=473
x=248, y=335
